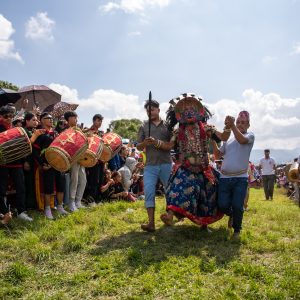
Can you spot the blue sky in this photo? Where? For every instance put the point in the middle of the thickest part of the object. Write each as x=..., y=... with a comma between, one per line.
x=107, y=55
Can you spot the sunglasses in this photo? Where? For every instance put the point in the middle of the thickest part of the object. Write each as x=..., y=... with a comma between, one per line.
x=8, y=116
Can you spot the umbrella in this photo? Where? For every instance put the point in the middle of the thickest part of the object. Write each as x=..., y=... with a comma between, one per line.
x=38, y=95
x=8, y=96
x=58, y=109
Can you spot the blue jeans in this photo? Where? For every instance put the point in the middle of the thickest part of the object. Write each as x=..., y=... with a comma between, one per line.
x=232, y=192
x=151, y=175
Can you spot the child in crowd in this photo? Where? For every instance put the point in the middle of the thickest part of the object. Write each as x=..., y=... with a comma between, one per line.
x=117, y=188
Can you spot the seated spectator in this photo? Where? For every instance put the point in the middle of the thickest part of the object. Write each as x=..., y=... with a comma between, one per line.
x=137, y=187
x=106, y=189
x=118, y=191
x=118, y=160
x=127, y=172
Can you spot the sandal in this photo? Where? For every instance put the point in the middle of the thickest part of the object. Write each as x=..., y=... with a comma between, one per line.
x=147, y=227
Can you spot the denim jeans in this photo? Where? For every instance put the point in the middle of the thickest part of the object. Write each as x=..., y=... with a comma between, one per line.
x=231, y=196
x=151, y=175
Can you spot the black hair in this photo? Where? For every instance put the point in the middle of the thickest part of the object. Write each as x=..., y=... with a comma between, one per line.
x=154, y=103
x=44, y=114
x=97, y=116
x=16, y=121
x=69, y=114
x=7, y=109
x=28, y=116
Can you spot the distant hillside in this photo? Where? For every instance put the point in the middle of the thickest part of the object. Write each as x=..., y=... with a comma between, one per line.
x=280, y=155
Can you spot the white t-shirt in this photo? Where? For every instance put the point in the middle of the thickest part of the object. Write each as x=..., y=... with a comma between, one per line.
x=267, y=166
x=236, y=156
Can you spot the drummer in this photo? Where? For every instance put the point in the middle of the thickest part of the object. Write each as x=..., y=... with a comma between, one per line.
x=77, y=172
x=95, y=175
x=14, y=170
x=49, y=175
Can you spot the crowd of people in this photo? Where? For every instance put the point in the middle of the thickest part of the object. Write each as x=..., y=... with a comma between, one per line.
x=37, y=185
x=170, y=157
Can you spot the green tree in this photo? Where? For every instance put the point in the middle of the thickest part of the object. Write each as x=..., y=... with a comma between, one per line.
x=8, y=85
x=126, y=128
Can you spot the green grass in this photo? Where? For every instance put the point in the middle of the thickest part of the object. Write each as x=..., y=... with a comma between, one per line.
x=101, y=253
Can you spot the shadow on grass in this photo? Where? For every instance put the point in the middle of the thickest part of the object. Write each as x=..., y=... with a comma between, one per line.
x=145, y=249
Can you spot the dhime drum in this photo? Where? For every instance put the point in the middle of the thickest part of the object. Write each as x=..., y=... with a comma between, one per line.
x=92, y=154
x=66, y=149
x=14, y=145
x=112, y=145
x=293, y=174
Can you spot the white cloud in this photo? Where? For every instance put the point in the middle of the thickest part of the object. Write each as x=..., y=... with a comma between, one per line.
x=133, y=6
x=267, y=60
x=7, y=46
x=40, y=27
x=134, y=33
x=111, y=104
x=274, y=120
x=68, y=94
x=296, y=49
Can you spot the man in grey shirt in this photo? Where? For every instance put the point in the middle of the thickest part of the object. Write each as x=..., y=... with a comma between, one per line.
x=158, y=158
x=234, y=176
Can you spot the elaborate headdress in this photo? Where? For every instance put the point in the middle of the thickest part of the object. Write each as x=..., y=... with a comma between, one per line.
x=177, y=111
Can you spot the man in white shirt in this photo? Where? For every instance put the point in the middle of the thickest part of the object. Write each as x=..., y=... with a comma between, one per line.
x=267, y=165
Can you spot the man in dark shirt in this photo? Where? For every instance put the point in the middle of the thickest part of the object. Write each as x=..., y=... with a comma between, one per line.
x=13, y=169
x=158, y=158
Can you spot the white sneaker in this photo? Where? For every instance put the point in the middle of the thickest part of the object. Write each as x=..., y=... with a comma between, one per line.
x=92, y=204
x=61, y=210
x=79, y=205
x=48, y=214
x=72, y=206
x=23, y=216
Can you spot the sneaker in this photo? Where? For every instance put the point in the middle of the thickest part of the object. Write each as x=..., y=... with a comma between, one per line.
x=79, y=205
x=61, y=210
x=48, y=214
x=23, y=216
x=72, y=206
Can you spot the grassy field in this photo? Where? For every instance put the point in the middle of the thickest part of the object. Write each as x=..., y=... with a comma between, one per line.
x=101, y=253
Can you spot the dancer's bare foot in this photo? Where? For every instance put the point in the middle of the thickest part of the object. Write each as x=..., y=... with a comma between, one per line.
x=148, y=227
x=168, y=220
